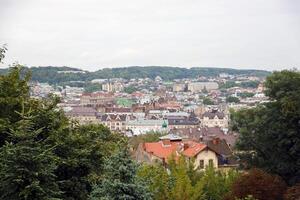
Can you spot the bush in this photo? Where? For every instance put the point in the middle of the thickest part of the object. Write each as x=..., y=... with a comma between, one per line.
x=293, y=193
x=259, y=184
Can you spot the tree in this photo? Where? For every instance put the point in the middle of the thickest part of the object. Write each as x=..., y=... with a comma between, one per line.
x=208, y=101
x=130, y=89
x=82, y=152
x=232, y=99
x=292, y=193
x=50, y=156
x=250, y=84
x=3, y=49
x=246, y=94
x=157, y=179
x=259, y=184
x=217, y=184
x=270, y=133
x=27, y=166
x=120, y=181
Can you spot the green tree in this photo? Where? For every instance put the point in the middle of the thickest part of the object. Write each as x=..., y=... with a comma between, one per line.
x=157, y=178
x=217, y=184
x=27, y=166
x=77, y=152
x=208, y=101
x=120, y=181
x=3, y=49
x=232, y=99
x=270, y=133
x=130, y=89
x=246, y=94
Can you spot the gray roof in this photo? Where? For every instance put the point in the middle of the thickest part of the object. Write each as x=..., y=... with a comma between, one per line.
x=170, y=137
x=212, y=114
x=82, y=111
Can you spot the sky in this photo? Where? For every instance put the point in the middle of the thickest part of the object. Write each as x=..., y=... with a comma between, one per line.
x=94, y=34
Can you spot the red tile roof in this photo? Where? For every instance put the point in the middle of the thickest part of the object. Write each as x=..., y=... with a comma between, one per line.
x=164, y=150
x=193, y=149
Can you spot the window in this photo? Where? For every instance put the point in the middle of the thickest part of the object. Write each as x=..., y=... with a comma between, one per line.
x=211, y=162
x=201, y=164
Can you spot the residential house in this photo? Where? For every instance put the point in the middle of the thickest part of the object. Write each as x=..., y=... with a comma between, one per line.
x=172, y=145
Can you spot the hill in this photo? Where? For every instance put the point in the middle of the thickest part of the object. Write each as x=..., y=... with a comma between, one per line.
x=53, y=75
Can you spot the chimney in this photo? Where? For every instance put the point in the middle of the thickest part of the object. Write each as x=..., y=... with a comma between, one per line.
x=216, y=141
x=185, y=146
x=201, y=138
x=166, y=142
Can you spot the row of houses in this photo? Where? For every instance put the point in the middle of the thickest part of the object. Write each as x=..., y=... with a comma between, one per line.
x=140, y=122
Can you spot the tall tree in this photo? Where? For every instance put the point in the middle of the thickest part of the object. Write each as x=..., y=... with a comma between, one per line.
x=27, y=166
x=270, y=133
x=120, y=181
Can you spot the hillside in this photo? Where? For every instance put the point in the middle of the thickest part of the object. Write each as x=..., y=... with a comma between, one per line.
x=52, y=75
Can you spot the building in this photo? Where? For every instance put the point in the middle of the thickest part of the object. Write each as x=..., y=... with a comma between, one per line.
x=84, y=115
x=196, y=87
x=115, y=122
x=142, y=126
x=113, y=87
x=99, y=98
x=179, y=87
x=172, y=145
x=214, y=118
x=183, y=122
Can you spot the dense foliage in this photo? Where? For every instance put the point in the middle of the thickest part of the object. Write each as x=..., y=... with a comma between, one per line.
x=232, y=99
x=120, y=181
x=183, y=182
x=270, y=133
x=42, y=154
x=258, y=184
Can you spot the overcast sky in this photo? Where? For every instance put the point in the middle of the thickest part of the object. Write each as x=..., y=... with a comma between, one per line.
x=93, y=34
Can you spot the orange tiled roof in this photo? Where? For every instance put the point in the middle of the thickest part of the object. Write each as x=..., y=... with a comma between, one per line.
x=194, y=149
x=160, y=150
x=166, y=149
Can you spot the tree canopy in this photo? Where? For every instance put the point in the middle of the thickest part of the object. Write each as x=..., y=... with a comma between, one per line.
x=270, y=133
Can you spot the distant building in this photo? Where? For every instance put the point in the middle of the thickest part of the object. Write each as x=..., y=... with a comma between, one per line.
x=214, y=118
x=200, y=86
x=179, y=87
x=98, y=98
x=142, y=126
x=84, y=115
x=113, y=87
x=115, y=122
x=183, y=122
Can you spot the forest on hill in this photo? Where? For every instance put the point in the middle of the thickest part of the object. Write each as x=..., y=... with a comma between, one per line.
x=51, y=74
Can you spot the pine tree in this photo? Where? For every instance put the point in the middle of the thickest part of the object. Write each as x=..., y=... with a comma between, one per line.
x=27, y=166
x=120, y=181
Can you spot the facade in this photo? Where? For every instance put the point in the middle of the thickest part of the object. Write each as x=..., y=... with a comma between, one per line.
x=94, y=99
x=142, y=126
x=214, y=118
x=172, y=145
x=183, y=122
x=199, y=86
x=115, y=122
x=179, y=87
x=113, y=87
x=84, y=115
